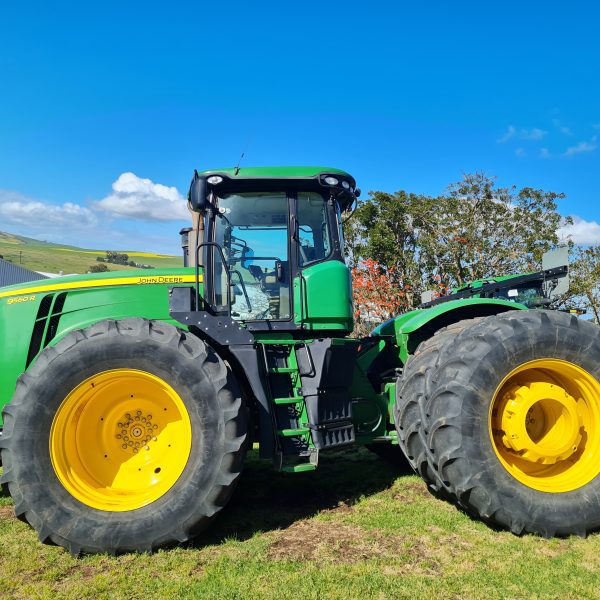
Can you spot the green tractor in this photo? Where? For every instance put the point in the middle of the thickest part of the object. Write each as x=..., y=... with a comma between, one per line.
x=130, y=399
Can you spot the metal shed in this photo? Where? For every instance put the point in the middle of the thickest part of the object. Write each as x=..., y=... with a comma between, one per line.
x=11, y=274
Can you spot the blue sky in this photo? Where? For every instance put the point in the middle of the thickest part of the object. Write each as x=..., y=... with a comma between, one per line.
x=106, y=109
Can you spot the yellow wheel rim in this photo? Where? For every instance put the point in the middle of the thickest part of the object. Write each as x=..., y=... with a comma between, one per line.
x=545, y=425
x=120, y=440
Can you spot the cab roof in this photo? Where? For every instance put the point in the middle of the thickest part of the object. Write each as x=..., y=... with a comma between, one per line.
x=264, y=178
x=277, y=172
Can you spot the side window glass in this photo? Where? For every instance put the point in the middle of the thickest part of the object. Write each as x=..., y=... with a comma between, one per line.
x=314, y=239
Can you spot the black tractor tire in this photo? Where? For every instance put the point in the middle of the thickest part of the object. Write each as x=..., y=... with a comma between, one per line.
x=459, y=376
x=413, y=389
x=219, y=432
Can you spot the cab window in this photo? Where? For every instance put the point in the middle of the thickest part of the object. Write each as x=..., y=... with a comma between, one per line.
x=253, y=231
x=314, y=237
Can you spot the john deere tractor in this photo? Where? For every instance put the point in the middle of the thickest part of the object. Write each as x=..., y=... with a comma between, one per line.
x=130, y=398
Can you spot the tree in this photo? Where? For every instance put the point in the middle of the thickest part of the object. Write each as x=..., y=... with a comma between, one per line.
x=117, y=258
x=584, y=288
x=101, y=268
x=475, y=230
x=376, y=296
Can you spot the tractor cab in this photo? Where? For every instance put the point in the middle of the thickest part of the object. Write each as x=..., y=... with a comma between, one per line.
x=268, y=245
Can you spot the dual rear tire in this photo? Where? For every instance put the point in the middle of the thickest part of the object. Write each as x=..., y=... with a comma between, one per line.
x=501, y=416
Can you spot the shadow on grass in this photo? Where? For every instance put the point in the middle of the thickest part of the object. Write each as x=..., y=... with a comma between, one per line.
x=266, y=500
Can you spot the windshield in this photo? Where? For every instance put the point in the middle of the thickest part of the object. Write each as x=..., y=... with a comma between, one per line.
x=252, y=229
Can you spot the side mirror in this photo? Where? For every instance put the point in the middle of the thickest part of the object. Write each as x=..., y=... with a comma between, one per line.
x=559, y=257
x=198, y=196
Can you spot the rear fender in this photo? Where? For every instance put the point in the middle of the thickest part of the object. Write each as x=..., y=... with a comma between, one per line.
x=412, y=328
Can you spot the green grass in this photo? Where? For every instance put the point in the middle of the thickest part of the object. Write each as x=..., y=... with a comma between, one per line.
x=53, y=258
x=355, y=528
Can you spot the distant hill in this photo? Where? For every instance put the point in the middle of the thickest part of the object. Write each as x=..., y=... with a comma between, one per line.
x=52, y=258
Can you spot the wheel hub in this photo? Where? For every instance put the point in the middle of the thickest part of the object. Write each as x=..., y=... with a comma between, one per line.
x=120, y=440
x=135, y=430
x=540, y=422
x=544, y=425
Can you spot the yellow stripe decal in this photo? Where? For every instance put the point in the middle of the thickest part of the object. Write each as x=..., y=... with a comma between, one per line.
x=94, y=283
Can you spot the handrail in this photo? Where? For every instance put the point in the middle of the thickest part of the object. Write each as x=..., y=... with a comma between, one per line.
x=209, y=276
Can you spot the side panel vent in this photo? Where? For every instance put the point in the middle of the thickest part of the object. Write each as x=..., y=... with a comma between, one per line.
x=57, y=309
x=38, y=329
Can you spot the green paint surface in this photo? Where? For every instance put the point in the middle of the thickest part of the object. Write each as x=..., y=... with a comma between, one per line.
x=277, y=172
x=408, y=328
x=323, y=297
x=84, y=305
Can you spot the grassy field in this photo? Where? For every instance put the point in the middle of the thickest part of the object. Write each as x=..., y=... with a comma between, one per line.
x=53, y=258
x=356, y=528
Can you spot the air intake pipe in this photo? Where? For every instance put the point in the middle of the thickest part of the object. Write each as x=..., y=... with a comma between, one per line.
x=185, y=243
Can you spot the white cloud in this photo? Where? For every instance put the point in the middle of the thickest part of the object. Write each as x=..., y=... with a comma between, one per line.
x=534, y=134
x=581, y=232
x=582, y=147
x=562, y=128
x=135, y=198
x=545, y=153
x=510, y=133
x=18, y=209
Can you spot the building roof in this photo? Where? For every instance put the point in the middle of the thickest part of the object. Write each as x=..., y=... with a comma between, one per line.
x=10, y=274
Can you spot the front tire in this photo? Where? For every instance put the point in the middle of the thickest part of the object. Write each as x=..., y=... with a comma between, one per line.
x=510, y=422
x=126, y=436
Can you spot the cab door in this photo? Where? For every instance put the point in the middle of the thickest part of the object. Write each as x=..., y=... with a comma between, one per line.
x=253, y=231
